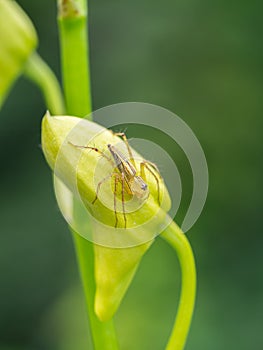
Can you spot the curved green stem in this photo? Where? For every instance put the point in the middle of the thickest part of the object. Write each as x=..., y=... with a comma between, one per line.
x=72, y=19
x=39, y=72
x=177, y=239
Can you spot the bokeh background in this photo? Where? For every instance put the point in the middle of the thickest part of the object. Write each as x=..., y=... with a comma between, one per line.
x=203, y=61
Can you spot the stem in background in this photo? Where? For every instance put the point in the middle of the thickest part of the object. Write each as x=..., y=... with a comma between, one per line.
x=177, y=239
x=39, y=72
x=72, y=19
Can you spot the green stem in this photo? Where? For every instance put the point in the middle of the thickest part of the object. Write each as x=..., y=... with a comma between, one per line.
x=74, y=55
x=40, y=73
x=72, y=20
x=177, y=239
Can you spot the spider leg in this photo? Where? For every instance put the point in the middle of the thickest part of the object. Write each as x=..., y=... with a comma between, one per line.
x=122, y=199
x=147, y=165
x=125, y=140
x=96, y=150
x=154, y=166
x=119, y=177
x=115, y=201
x=98, y=187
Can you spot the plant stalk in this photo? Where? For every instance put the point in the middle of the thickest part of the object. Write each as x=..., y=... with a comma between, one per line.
x=177, y=239
x=73, y=36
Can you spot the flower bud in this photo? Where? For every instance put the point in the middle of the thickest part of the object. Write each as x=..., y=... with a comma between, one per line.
x=114, y=271
x=17, y=41
x=63, y=141
x=83, y=170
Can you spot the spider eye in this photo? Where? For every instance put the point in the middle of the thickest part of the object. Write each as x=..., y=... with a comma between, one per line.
x=144, y=186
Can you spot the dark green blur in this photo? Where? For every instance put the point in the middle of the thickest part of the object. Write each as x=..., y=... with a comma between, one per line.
x=203, y=61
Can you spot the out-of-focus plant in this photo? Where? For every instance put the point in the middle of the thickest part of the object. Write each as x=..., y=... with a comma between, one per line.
x=106, y=272
x=18, y=39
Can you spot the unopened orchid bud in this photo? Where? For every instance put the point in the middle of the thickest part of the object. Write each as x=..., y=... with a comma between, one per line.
x=124, y=194
x=86, y=165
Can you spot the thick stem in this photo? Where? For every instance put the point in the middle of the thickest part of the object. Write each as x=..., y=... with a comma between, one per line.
x=176, y=238
x=40, y=73
x=72, y=20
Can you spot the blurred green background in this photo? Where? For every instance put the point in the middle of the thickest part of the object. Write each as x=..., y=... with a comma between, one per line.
x=203, y=61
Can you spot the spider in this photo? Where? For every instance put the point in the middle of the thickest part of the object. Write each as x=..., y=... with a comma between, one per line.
x=132, y=181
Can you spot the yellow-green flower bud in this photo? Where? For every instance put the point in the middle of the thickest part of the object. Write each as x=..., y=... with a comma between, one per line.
x=114, y=271
x=64, y=141
x=17, y=41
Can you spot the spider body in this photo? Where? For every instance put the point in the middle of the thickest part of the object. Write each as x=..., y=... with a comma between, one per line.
x=135, y=183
